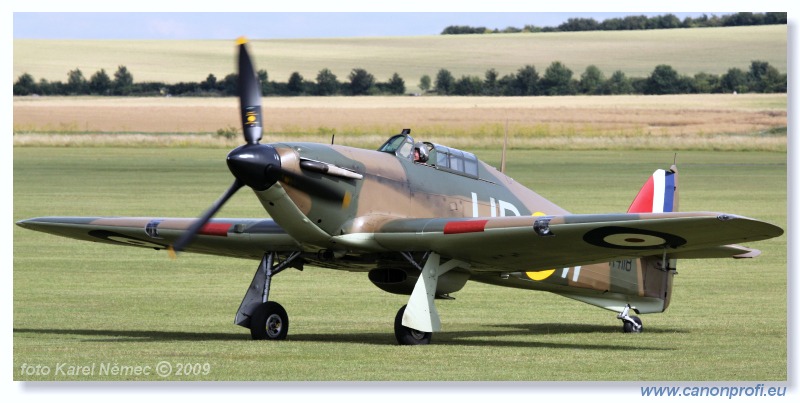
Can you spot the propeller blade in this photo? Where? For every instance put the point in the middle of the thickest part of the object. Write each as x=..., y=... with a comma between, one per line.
x=249, y=96
x=192, y=231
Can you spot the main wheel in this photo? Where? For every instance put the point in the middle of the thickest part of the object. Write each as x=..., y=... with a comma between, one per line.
x=269, y=322
x=407, y=336
x=627, y=327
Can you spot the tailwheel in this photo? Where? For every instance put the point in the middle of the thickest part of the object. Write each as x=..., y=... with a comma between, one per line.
x=630, y=323
x=407, y=336
x=269, y=322
x=633, y=326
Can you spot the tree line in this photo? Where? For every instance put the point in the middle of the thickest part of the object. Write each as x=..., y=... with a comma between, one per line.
x=359, y=82
x=557, y=79
x=634, y=22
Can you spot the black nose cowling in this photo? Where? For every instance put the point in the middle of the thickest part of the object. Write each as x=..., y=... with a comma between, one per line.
x=256, y=165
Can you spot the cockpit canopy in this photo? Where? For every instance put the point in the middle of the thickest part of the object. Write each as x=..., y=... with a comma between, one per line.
x=438, y=156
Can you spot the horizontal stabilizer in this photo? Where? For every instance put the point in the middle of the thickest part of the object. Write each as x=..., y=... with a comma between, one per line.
x=734, y=251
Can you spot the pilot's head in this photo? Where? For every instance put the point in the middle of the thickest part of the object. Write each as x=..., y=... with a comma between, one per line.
x=420, y=152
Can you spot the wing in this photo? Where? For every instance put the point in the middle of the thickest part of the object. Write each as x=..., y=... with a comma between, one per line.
x=244, y=238
x=538, y=243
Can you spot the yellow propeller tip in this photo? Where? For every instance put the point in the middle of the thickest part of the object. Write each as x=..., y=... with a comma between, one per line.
x=241, y=40
x=171, y=252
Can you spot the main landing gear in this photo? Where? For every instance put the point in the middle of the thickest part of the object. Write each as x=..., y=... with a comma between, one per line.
x=416, y=321
x=630, y=324
x=267, y=320
x=407, y=336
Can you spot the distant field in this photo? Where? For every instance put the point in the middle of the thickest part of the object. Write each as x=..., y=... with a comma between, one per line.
x=684, y=122
x=689, y=51
x=80, y=303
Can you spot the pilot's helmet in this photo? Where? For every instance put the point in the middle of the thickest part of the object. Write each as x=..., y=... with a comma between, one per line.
x=423, y=151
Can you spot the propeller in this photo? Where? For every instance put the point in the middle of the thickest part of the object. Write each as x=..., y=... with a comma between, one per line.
x=252, y=164
x=249, y=96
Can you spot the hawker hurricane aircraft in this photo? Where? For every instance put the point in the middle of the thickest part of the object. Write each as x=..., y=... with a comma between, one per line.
x=422, y=219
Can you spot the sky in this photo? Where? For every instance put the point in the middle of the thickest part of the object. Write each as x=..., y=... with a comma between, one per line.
x=280, y=25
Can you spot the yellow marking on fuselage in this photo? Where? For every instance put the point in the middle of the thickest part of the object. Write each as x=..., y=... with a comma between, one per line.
x=346, y=200
x=543, y=274
x=540, y=275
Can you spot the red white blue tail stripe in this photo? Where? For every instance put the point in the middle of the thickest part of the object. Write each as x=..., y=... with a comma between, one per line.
x=657, y=195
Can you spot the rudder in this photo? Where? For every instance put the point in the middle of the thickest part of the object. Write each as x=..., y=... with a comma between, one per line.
x=659, y=194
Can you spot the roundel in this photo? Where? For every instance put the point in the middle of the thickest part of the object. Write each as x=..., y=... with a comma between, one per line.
x=631, y=238
x=120, y=238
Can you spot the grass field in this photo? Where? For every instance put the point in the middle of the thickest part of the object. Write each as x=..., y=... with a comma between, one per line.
x=637, y=53
x=81, y=303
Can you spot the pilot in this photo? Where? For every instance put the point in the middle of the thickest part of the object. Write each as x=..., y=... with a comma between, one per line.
x=420, y=153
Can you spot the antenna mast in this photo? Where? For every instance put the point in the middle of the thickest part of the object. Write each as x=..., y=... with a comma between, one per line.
x=505, y=145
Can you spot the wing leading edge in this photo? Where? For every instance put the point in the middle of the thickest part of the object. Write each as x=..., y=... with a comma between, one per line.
x=244, y=238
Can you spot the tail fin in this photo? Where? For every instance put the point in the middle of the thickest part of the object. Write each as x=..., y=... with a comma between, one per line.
x=659, y=194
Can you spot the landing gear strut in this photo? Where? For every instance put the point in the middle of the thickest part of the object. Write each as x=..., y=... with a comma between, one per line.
x=417, y=320
x=630, y=324
x=267, y=320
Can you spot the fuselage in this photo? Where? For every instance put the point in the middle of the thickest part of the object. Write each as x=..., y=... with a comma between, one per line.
x=394, y=186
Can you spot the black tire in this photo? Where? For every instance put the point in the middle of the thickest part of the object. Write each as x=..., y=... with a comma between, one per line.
x=627, y=327
x=269, y=322
x=407, y=336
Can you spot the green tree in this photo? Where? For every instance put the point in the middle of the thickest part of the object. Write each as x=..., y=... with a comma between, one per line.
x=123, y=81
x=445, y=83
x=100, y=83
x=663, y=80
x=425, y=83
x=210, y=84
x=25, y=85
x=361, y=82
x=295, y=85
x=592, y=81
x=705, y=83
x=618, y=84
x=735, y=80
x=76, y=83
x=230, y=84
x=468, y=85
x=47, y=88
x=490, y=84
x=579, y=24
x=327, y=83
x=764, y=78
x=557, y=80
x=263, y=78
x=396, y=85
x=526, y=82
